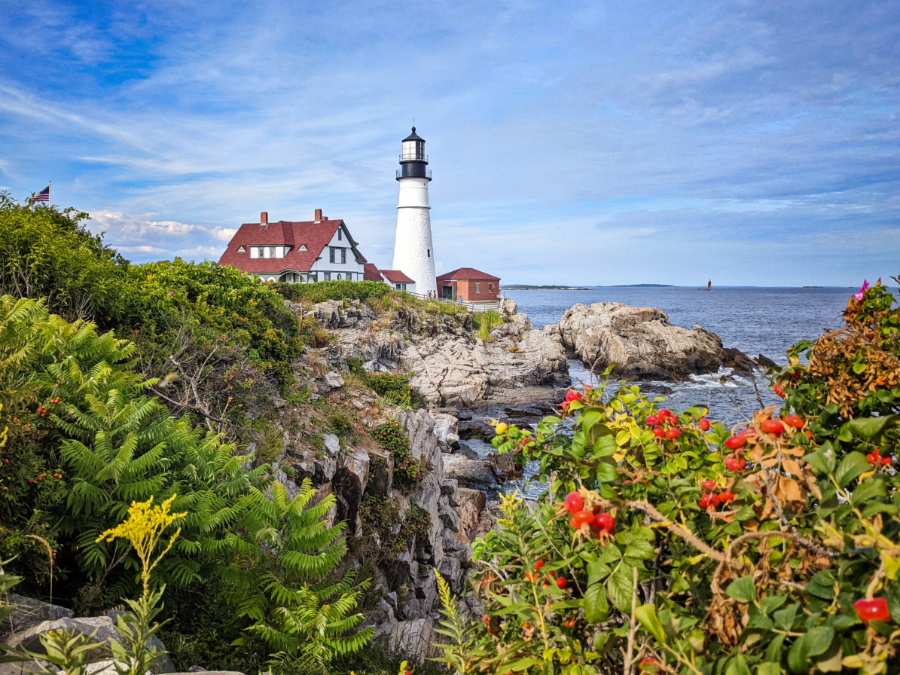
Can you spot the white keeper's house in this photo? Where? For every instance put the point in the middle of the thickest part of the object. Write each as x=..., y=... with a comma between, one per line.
x=303, y=252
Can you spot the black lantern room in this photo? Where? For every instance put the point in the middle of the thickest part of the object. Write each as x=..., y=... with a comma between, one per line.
x=413, y=160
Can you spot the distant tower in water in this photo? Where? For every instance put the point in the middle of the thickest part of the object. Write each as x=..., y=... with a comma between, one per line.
x=413, y=249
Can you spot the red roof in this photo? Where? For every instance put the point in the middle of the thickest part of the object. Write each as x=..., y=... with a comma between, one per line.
x=396, y=277
x=371, y=273
x=467, y=273
x=314, y=236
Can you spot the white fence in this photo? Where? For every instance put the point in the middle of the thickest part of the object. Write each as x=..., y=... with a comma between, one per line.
x=470, y=306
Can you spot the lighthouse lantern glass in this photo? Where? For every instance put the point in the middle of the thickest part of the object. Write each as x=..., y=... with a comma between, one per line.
x=413, y=149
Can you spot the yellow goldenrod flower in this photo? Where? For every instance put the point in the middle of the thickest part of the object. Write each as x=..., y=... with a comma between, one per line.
x=143, y=528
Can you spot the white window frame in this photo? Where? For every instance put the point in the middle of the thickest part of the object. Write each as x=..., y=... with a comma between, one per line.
x=477, y=288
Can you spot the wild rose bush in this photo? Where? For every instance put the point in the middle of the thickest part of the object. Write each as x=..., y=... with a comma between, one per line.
x=669, y=543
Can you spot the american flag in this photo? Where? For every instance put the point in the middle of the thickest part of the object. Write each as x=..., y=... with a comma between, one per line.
x=42, y=196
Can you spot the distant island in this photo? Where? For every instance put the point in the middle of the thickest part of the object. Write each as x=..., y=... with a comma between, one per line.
x=527, y=287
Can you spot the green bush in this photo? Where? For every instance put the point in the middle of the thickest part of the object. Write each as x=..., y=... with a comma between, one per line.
x=334, y=290
x=72, y=400
x=217, y=331
x=394, y=388
x=671, y=543
x=408, y=471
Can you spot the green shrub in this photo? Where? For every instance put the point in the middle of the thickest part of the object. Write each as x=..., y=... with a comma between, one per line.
x=408, y=471
x=333, y=290
x=394, y=388
x=340, y=425
x=670, y=540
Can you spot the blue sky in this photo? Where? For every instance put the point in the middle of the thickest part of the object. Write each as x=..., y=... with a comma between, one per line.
x=571, y=142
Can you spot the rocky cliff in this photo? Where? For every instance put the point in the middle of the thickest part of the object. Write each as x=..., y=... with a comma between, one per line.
x=448, y=363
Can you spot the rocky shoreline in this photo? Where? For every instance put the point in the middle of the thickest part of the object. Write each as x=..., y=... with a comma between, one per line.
x=517, y=374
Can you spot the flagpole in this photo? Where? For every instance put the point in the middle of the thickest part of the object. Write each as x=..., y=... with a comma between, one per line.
x=49, y=198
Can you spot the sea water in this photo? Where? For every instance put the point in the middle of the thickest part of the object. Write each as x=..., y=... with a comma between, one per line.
x=755, y=320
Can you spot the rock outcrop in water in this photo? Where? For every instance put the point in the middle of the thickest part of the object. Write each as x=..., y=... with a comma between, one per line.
x=643, y=344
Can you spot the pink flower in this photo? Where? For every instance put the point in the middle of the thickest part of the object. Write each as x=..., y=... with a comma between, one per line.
x=171, y=292
x=858, y=296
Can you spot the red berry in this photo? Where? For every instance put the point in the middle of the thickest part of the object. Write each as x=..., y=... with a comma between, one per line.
x=603, y=522
x=735, y=442
x=794, y=421
x=31, y=480
x=574, y=502
x=704, y=501
x=871, y=458
x=734, y=463
x=538, y=565
x=570, y=623
x=561, y=582
x=485, y=618
x=778, y=390
x=672, y=434
x=709, y=484
x=664, y=413
x=727, y=496
x=704, y=424
x=40, y=479
x=581, y=518
x=653, y=420
x=773, y=427
x=658, y=432
x=572, y=396
x=872, y=610
x=714, y=500
x=886, y=461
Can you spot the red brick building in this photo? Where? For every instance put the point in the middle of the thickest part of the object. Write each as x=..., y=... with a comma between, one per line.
x=469, y=285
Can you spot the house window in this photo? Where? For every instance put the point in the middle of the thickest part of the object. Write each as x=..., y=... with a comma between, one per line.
x=302, y=247
x=254, y=252
x=340, y=235
x=327, y=276
x=338, y=277
x=429, y=253
x=477, y=288
x=337, y=255
x=241, y=249
x=490, y=288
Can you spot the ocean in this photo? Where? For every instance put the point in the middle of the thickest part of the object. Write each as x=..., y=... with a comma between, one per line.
x=755, y=320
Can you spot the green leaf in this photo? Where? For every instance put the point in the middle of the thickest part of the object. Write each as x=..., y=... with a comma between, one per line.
x=621, y=587
x=868, y=427
x=818, y=639
x=596, y=606
x=821, y=585
x=784, y=618
x=737, y=665
x=768, y=668
x=851, y=467
x=742, y=590
x=823, y=460
x=606, y=473
x=868, y=490
x=640, y=549
x=646, y=615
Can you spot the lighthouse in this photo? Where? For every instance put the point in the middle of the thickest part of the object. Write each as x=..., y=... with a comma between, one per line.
x=413, y=248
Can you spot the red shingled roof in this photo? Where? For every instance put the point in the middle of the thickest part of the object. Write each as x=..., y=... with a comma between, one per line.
x=371, y=273
x=314, y=236
x=467, y=273
x=397, y=277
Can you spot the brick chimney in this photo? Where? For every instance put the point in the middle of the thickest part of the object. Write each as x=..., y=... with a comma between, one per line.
x=264, y=218
x=318, y=215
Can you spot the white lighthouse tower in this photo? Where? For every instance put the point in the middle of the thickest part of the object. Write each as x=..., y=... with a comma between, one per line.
x=413, y=249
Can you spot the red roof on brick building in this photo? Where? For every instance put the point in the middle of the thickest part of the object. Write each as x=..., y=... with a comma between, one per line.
x=306, y=240
x=396, y=277
x=467, y=273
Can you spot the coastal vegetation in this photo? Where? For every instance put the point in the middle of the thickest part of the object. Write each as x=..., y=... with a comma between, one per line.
x=140, y=424
x=668, y=543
